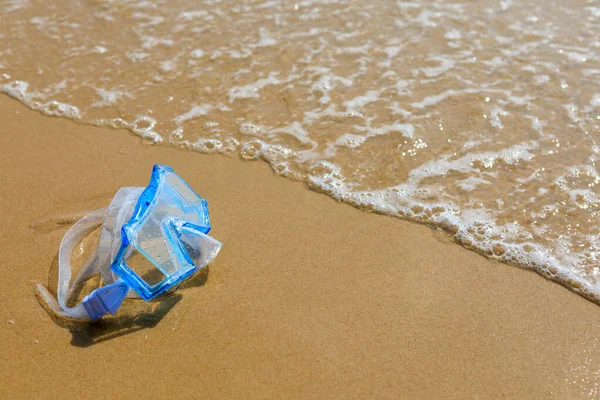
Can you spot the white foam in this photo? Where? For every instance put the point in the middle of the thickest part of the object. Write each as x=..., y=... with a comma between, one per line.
x=99, y=49
x=453, y=34
x=407, y=130
x=167, y=65
x=19, y=91
x=149, y=42
x=434, y=99
x=252, y=90
x=191, y=15
x=495, y=115
x=149, y=19
x=425, y=16
x=194, y=112
x=471, y=183
x=576, y=57
x=197, y=53
x=266, y=39
x=137, y=56
x=353, y=49
x=445, y=65
x=350, y=140
x=296, y=130
x=14, y=5
x=357, y=103
x=109, y=97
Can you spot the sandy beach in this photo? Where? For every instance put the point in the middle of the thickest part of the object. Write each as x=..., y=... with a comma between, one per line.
x=309, y=298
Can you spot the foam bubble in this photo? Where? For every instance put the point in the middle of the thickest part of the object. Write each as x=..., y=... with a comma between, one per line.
x=143, y=126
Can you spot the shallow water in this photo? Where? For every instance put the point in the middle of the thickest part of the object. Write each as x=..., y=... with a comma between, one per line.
x=481, y=118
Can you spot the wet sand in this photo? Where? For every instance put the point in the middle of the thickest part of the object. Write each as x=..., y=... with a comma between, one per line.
x=309, y=298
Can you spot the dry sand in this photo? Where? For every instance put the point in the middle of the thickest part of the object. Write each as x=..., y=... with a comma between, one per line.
x=309, y=298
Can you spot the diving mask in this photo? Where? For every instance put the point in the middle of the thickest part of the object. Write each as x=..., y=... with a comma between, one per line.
x=152, y=239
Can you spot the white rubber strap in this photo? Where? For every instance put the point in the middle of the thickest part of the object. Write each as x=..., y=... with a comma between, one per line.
x=111, y=218
x=77, y=232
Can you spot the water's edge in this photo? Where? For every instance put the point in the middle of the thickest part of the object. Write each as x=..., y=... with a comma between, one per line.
x=551, y=272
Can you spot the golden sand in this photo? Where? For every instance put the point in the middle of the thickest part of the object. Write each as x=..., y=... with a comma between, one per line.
x=309, y=298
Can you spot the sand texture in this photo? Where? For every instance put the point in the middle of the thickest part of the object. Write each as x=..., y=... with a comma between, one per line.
x=309, y=298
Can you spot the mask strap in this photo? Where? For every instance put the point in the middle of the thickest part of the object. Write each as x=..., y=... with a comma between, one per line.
x=109, y=297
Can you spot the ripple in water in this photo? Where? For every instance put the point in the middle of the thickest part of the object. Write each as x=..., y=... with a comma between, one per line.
x=480, y=118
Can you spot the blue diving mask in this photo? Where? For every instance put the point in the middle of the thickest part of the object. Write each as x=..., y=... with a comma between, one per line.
x=152, y=239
